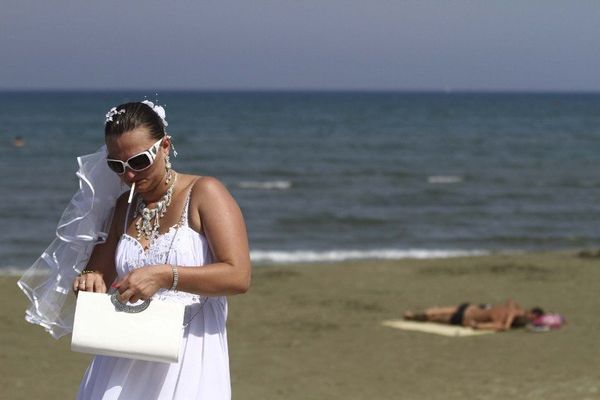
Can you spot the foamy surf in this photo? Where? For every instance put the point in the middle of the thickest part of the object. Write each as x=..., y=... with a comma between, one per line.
x=265, y=185
x=300, y=256
x=444, y=179
x=310, y=256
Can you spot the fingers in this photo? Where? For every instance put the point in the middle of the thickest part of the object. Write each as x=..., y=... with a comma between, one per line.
x=102, y=287
x=91, y=282
x=123, y=286
x=124, y=297
x=136, y=285
x=131, y=294
x=79, y=283
x=75, y=284
x=128, y=296
x=88, y=283
x=117, y=283
x=96, y=284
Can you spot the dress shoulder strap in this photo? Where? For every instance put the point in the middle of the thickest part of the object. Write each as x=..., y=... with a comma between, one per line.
x=184, y=214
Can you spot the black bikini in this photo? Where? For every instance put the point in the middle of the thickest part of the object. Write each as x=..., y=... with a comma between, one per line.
x=459, y=315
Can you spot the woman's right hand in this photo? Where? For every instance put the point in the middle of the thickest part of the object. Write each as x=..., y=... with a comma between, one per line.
x=89, y=282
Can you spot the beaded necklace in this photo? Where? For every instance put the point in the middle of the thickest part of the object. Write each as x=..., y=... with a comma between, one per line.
x=147, y=226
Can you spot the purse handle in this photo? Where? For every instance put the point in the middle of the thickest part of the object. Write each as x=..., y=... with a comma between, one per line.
x=128, y=308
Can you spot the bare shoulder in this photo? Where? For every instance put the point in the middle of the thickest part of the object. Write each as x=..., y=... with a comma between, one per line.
x=209, y=195
x=207, y=188
x=211, y=201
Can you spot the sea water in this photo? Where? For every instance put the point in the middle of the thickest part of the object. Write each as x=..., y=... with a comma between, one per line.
x=331, y=176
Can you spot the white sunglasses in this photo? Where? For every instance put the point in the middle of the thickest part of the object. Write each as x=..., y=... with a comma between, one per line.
x=136, y=163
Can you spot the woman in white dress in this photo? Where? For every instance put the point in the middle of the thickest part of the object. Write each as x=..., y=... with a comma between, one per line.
x=182, y=238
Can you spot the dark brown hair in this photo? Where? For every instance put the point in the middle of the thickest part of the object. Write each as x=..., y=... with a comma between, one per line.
x=135, y=115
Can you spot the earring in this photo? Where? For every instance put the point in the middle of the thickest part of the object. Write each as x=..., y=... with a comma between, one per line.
x=168, y=169
x=172, y=146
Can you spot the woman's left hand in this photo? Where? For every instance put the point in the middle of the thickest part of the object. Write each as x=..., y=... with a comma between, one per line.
x=143, y=283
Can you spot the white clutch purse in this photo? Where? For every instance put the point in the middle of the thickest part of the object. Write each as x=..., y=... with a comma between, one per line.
x=151, y=331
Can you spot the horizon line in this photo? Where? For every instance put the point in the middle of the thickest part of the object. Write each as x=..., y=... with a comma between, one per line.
x=303, y=90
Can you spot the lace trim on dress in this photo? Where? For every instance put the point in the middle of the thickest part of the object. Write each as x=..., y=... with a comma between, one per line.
x=159, y=251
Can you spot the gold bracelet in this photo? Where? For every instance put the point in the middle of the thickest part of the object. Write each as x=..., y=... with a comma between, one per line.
x=89, y=271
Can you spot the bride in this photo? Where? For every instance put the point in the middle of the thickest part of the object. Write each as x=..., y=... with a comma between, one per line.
x=173, y=236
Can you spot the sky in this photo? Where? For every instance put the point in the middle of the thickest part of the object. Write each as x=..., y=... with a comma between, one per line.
x=507, y=45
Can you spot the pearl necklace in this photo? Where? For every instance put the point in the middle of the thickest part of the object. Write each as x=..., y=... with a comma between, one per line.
x=148, y=224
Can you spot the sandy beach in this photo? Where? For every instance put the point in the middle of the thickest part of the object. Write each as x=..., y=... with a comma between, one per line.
x=314, y=332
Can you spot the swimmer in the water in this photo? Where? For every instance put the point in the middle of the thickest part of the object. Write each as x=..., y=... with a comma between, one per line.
x=18, y=141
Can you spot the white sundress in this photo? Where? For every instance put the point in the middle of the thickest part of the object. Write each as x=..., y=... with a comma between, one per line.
x=203, y=368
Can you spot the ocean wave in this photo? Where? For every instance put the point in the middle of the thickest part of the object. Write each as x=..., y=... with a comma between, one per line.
x=444, y=179
x=265, y=185
x=327, y=218
x=344, y=255
x=310, y=256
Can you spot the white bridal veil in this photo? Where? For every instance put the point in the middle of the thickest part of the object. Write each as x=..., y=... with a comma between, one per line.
x=84, y=223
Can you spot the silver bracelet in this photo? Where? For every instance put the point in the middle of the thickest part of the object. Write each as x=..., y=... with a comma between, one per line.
x=175, y=277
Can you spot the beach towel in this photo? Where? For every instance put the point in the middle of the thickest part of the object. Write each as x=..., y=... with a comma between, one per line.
x=435, y=328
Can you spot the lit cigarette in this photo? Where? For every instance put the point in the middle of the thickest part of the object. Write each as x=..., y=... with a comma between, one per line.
x=131, y=192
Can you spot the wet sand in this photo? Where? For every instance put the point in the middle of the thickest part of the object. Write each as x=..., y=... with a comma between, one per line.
x=314, y=332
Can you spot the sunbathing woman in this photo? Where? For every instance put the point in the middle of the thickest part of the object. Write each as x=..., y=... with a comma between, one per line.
x=498, y=317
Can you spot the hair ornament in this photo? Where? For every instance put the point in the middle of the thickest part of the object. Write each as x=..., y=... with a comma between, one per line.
x=112, y=112
x=159, y=110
